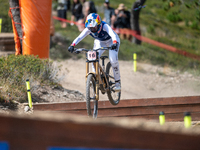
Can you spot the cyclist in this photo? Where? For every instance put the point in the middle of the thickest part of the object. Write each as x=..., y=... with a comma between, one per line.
x=104, y=37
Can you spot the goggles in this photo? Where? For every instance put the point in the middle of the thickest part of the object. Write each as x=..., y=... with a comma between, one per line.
x=93, y=29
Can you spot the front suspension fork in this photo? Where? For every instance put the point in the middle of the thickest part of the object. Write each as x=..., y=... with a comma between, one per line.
x=97, y=80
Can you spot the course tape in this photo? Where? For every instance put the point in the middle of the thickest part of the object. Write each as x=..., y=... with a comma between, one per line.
x=144, y=39
x=16, y=35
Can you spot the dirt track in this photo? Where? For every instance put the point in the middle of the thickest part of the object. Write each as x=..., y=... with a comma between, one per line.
x=149, y=81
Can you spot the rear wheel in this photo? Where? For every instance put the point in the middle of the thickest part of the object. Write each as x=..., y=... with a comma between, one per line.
x=91, y=102
x=114, y=97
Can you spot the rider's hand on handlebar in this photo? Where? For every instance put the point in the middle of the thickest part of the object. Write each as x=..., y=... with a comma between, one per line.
x=71, y=49
x=114, y=46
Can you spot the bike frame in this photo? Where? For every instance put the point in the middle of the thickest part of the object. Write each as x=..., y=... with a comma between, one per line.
x=96, y=74
x=100, y=80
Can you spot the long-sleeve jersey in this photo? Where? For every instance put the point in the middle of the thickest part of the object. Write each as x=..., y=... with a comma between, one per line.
x=105, y=33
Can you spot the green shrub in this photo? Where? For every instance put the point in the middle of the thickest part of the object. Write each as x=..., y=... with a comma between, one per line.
x=188, y=5
x=187, y=23
x=195, y=25
x=166, y=6
x=174, y=17
x=151, y=29
x=14, y=70
x=198, y=15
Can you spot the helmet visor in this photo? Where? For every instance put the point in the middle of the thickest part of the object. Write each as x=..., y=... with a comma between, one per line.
x=93, y=29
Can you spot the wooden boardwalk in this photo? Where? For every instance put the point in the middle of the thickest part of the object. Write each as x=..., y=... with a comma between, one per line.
x=7, y=42
x=149, y=108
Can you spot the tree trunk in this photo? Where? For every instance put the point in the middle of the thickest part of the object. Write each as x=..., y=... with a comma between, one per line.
x=135, y=19
x=15, y=10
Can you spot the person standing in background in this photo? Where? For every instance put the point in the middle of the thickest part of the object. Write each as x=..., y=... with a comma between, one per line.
x=109, y=14
x=68, y=5
x=62, y=11
x=123, y=21
x=77, y=14
x=135, y=16
x=52, y=31
x=88, y=7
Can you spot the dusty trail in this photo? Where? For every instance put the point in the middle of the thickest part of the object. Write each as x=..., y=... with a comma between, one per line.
x=149, y=81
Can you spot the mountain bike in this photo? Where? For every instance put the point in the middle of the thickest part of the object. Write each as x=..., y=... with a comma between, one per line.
x=102, y=79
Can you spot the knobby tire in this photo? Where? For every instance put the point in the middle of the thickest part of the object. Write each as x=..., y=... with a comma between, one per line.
x=114, y=97
x=91, y=103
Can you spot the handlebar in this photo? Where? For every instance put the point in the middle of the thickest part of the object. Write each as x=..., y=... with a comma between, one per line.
x=78, y=50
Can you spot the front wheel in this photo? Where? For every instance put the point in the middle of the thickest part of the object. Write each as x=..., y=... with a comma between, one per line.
x=91, y=102
x=114, y=97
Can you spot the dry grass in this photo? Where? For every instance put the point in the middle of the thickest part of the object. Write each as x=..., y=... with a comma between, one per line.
x=14, y=70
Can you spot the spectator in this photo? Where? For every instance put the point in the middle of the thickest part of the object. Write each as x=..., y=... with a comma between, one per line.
x=123, y=21
x=92, y=7
x=68, y=5
x=109, y=14
x=77, y=14
x=135, y=19
x=88, y=7
x=62, y=11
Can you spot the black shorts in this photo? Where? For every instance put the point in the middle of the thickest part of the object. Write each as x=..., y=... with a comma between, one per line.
x=62, y=14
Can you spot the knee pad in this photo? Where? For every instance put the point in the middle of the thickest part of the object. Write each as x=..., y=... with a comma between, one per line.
x=115, y=65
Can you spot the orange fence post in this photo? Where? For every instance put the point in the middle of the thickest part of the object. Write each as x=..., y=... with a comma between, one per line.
x=36, y=18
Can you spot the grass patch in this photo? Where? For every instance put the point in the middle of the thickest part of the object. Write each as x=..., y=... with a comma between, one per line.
x=14, y=70
x=6, y=25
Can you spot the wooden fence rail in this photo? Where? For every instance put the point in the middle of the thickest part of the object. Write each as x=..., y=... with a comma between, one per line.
x=149, y=108
x=42, y=130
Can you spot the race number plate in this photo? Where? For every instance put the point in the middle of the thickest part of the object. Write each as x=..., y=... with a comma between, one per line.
x=91, y=55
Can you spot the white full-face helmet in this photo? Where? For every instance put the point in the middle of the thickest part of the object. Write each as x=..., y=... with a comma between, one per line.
x=93, y=22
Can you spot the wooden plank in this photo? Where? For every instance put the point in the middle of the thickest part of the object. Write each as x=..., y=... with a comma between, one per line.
x=123, y=103
x=168, y=117
x=139, y=110
x=59, y=106
x=157, y=101
x=129, y=111
x=6, y=35
x=136, y=108
x=37, y=132
x=7, y=41
x=7, y=47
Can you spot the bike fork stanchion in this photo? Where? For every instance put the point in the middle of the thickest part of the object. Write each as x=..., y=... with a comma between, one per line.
x=95, y=109
x=97, y=81
x=87, y=70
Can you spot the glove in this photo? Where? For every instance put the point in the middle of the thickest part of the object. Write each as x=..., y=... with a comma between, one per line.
x=114, y=46
x=71, y=49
